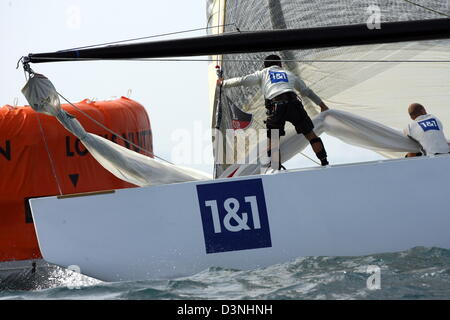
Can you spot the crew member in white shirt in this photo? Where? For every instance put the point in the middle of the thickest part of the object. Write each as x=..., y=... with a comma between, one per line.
x=427, y=130
x=278, y=87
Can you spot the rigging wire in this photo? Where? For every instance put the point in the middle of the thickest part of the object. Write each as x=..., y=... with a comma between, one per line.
x=28, y=71
x=218, y=26
x=149, y=37
x=50, y=158
x=427, y=8
x=111, y=131
x=306, y=156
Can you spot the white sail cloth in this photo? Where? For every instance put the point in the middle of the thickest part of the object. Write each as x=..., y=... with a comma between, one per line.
x=125, y=164
x=141, y=170
x=42, y=95
x=349, y=128
x=377, y=82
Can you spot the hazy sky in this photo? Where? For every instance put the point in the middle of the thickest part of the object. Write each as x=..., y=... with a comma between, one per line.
x=175, y=94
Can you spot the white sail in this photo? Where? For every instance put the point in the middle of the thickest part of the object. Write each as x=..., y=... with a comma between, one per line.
x=350, y=128
x=376, y=82
x=125, y=164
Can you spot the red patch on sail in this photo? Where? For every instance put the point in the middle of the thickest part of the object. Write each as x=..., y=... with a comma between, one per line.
x=239, y=124
x=232, y=174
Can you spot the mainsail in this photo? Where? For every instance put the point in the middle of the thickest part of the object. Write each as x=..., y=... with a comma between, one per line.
x=375, y=82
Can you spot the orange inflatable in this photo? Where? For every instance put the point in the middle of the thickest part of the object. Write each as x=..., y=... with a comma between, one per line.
x=38, y=157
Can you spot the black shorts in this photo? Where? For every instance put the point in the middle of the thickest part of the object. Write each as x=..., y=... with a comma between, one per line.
x=291, y=111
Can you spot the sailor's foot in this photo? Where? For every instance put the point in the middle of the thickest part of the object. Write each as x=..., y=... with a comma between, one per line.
x=324, y=162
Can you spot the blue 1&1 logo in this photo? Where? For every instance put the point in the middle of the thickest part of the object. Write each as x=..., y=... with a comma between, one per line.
x=276, y=77
x=234, y=215
x=430, y=124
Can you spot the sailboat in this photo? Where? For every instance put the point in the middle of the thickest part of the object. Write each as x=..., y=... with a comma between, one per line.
x=181, y=221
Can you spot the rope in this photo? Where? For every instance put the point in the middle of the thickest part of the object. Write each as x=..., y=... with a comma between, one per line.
x=111, y=131
x=52, y=164
x=427, y=8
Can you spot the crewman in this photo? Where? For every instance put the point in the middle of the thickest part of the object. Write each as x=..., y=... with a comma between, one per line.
x=278, y=87
x=427, y=130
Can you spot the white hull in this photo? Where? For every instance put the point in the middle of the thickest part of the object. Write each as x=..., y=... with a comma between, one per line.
x=166, y=231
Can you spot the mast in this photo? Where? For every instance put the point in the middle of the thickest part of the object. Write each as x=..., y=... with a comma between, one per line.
x=260, y=41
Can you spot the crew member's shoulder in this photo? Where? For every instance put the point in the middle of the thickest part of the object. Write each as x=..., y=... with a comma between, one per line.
x=260, y=72
x=271, y=68
x=275, y=68
x=432, y=116
x=426, y=117
x=289, y=73
x=422, y=117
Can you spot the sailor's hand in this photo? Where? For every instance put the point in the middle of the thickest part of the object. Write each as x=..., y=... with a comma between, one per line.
x=323, y=107
x=220, y=82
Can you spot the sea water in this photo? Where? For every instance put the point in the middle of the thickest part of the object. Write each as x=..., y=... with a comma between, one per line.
x=418, y=273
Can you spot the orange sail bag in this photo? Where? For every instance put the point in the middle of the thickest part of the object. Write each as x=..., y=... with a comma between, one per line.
x=39, y=157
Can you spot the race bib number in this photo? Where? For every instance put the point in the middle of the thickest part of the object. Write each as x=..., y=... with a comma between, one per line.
x=430, y=124
x=276, y=77
x=234, y=216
